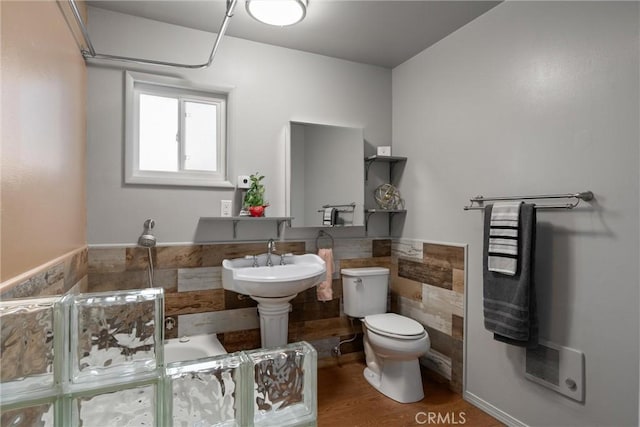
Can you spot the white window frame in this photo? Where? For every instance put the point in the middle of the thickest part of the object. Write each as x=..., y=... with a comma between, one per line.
x=143, y=83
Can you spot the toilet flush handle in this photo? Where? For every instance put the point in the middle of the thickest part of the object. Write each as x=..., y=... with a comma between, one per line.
x=358, y=284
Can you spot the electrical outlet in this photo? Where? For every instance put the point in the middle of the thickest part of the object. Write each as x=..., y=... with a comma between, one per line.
x=225, y=208
x=244, y=181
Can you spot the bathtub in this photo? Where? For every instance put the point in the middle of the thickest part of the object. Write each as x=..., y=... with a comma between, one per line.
x=192, y=347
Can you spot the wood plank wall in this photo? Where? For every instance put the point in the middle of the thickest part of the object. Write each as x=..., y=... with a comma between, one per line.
x=427, y=284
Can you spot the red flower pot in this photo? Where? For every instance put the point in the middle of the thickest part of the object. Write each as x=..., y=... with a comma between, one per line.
x=256, y=211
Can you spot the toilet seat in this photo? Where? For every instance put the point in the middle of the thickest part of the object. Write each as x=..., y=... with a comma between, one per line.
x=394, y=326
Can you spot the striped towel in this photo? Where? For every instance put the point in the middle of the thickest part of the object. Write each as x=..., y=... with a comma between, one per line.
x=329, y=216
x=503, y=238
x=510, y=309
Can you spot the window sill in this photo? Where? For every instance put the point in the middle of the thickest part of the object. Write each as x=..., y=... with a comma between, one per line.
x=179, y=182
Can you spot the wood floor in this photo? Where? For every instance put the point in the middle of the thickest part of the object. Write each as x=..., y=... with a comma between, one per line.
x=345, y=399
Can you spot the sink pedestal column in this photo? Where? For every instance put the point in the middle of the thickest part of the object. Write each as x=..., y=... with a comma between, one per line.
x=274, y=320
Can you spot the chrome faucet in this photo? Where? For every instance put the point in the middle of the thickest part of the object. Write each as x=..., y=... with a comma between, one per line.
x=271, y=247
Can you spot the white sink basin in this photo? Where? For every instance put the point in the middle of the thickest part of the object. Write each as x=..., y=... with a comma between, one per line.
x=300, y=272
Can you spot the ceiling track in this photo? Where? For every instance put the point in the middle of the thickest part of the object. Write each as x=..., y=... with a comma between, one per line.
x=89, y=53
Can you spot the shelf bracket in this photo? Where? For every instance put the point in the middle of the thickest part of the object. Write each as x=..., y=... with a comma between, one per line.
x=280, y=223
x=391, y=215
x=367, y=215
x=367, y=165
x=392, y=165
x=235, y=228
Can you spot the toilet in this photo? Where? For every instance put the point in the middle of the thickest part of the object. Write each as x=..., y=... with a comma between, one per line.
x=392, y=343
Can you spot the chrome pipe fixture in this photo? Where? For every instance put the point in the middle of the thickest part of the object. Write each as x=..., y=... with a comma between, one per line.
x=336, y=350
x=579, y=197
x=271, y=248
x=352, y=205
x=83, y=28
x=148, y=240
x=90, y=54
x=349, y=207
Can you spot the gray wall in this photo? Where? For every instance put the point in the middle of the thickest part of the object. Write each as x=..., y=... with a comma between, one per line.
x=272, y=86
x=537, y=97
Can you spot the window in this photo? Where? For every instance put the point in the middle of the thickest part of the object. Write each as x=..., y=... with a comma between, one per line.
x=175, y=132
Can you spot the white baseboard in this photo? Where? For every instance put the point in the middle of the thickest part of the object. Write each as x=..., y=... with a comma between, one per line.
x=492, y=410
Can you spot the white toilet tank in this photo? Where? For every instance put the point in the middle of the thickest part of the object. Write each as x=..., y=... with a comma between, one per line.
x=364, y=290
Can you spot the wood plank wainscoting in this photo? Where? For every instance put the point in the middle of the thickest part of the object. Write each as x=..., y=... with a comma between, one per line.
x=427, y=284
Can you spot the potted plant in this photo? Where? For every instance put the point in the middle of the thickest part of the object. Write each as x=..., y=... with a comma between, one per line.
x=254, y=199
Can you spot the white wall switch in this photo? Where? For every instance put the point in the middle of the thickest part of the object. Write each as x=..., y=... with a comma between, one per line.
x=225, y=207
x=384, y=150
x=244, y=181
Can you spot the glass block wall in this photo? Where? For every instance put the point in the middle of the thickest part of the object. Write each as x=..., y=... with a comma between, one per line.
x=284, y=386
x=97, y=360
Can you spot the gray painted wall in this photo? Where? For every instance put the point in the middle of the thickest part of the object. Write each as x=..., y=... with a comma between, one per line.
x=273, y=85
x=530, y=98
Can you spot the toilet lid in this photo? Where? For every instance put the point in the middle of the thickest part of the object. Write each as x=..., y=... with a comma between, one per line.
x=394, y=325
x=364, y=271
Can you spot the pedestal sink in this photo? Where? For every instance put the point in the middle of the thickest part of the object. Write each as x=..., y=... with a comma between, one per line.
x=273, y=287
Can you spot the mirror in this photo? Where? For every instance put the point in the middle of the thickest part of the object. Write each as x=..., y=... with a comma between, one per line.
x=325, y=175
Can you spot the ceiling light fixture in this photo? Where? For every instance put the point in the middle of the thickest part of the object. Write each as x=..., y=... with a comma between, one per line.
x=280, y=13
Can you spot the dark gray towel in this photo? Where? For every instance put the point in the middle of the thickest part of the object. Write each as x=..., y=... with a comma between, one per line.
x=510, y=301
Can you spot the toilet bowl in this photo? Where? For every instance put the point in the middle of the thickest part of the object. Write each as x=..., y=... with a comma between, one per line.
x=392, y=343
x=392, y=347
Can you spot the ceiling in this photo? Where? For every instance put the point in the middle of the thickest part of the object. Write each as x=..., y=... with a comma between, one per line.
x=383, y=33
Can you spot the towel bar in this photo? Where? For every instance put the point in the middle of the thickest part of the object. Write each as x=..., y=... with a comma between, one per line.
x=350, y=207
x=582, y=196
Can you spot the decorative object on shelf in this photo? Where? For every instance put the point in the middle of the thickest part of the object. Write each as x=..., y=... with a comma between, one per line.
x=256, y=211
x=384, y=150
x=388, y=197
x=254, y=199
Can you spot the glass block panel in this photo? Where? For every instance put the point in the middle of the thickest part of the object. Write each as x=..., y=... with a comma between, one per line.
x=207, y=392
x=40, y=415
x=116, y=336
x=27, y=346
x=285, y=387
x=127, y=407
